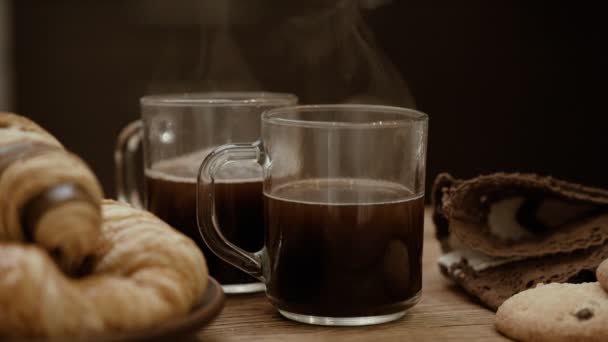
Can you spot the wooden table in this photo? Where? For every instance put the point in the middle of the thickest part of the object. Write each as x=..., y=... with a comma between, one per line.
x=444, y=313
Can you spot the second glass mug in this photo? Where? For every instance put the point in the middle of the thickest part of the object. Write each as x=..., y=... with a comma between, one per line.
x=178, y=131
x=343, y=209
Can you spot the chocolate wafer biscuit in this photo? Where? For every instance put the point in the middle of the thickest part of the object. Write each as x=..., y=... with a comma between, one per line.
x=522, y=215
x=493, y=284
x=504, y=233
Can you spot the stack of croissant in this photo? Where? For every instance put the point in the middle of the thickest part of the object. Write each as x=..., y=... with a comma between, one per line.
x=73, y=264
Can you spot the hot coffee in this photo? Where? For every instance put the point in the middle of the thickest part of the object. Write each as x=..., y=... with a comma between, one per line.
x=171, y=195
x=344, y=247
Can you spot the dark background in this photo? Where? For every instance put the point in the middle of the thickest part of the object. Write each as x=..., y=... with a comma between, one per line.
x=508, y=85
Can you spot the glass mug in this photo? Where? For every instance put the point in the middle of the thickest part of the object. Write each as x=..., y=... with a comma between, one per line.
x=178, y=131
x=343, y=206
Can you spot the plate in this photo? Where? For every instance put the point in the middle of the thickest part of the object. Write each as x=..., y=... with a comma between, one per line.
x=173, y=330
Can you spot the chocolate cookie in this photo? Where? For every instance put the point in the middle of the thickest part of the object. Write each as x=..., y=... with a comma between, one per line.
x=556, y=312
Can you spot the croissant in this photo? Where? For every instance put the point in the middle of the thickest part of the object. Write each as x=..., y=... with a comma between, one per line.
x=143, y=273
x=47, y=195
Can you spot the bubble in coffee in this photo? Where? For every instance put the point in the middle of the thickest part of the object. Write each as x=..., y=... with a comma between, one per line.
x=344, y=247
x=171, y=195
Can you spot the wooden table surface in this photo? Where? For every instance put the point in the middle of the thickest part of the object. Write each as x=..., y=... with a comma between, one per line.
x=443, y=314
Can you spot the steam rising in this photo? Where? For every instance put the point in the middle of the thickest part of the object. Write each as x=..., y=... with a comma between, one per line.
x=320, y=50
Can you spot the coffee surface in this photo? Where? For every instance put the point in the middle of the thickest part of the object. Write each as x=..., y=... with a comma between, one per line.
x=171, y=195
x=343, y=247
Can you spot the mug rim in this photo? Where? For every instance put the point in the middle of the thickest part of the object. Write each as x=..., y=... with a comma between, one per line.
x=220, y=98
x=409, y=116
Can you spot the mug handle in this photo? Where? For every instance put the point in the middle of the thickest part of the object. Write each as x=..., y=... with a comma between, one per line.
x=206, y=215
x=128, y=142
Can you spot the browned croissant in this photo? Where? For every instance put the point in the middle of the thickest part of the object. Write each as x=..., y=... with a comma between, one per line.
x=144, y=272
x=47, y=195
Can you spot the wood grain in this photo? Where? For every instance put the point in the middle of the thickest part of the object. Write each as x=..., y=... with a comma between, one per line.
x=443, y=314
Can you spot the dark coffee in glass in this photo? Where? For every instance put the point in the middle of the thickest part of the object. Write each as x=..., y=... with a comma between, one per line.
x=171, y=195
x=345, y=248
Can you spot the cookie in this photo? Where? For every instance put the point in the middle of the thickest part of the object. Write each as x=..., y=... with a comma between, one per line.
x=602, y=274
x=556, y=312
